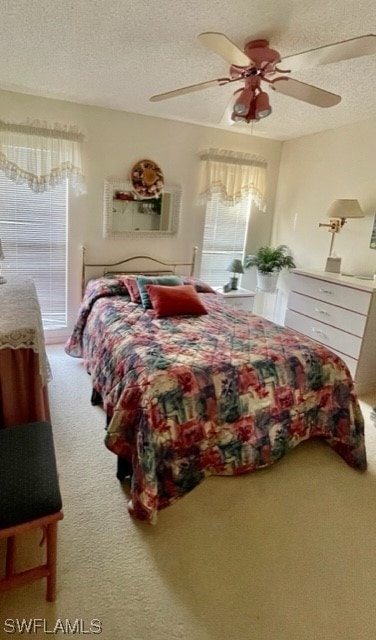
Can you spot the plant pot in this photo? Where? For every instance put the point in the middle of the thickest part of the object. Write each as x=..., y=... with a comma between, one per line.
x=267, y=282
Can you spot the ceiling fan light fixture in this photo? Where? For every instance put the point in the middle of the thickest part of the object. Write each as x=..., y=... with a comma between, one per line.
x=262, y=105
x=241, y=109
x=236, y=117
x=252, y=115
x=241, y=106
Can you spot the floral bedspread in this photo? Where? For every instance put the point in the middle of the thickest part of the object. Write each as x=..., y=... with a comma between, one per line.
x=223, y=393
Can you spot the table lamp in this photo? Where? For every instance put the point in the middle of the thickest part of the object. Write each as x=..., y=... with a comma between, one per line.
x=236, y=268
x=338, y=213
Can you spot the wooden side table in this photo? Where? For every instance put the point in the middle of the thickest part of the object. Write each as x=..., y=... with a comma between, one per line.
x=24, y=368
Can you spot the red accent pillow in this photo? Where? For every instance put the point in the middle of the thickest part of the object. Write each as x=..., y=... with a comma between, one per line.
x=132, y=286
x=175, y=301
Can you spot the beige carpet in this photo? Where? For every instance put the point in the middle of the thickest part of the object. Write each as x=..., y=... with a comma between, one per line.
x=286, y=553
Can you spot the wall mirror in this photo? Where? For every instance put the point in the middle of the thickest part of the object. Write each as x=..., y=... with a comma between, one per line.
x=128, y=213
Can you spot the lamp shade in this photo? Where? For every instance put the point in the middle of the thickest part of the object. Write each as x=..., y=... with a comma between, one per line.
x=235, y=266
x=345, y=209
x=1, y=252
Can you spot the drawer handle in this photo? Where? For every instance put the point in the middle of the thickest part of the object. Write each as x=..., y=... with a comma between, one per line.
x=324, y=313
x=326, y=291
x=322, y=333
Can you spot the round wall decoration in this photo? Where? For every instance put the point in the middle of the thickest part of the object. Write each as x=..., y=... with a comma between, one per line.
x=147, y=179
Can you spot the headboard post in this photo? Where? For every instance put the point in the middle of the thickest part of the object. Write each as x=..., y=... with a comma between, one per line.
x=83, y=272
x=193, y=261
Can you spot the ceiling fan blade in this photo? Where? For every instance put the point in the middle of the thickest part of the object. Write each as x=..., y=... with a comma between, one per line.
x=345, y=50
x=190, y=89
x=305, y=92
x=221, y=45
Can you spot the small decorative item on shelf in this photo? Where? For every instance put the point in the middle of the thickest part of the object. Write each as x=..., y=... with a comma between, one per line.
x=269, y=261
x=151, y=206
x=227, y=287
x=2, y=257
x=124, y=195
x=236, y=268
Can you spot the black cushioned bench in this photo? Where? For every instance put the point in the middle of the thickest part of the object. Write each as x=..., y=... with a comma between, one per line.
x=29, y=498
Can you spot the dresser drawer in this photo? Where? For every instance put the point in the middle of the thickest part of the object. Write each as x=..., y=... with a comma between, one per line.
x=343, y=296
x=330, y=336
x=329, y=313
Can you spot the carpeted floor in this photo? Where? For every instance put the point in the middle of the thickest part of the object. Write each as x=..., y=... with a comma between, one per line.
x=285, y=553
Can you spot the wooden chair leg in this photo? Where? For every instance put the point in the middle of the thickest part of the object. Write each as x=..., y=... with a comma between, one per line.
x=10, y=558
x=51, y=561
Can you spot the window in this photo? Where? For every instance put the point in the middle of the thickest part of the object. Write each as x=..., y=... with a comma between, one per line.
x=224, y=237
x=33, y=230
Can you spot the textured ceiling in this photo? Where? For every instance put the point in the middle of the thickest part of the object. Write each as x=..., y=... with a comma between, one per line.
x=118, y=53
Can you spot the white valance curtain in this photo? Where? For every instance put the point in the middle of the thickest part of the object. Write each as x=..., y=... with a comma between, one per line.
x=40, y=155
x=233, y=175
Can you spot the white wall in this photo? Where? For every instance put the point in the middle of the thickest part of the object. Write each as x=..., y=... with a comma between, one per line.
x=316, y=170
x=115, y=141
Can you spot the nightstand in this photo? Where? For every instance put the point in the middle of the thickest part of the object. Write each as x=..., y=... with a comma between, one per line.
x=238, y=298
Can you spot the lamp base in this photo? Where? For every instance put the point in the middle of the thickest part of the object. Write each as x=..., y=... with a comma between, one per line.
x=333, y=265
x=234, y=283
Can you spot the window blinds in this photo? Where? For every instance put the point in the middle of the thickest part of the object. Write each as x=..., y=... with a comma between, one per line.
x=224, y=238
x=33, y=230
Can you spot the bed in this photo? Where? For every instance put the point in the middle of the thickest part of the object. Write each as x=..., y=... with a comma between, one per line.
x=222, y=392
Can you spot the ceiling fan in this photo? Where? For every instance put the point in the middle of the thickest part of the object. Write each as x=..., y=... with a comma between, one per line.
x=259, y=63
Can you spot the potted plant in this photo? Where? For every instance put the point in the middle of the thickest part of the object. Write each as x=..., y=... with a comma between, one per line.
x=269, y=261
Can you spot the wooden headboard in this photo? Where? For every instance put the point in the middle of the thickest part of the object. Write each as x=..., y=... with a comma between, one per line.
x=153, y=266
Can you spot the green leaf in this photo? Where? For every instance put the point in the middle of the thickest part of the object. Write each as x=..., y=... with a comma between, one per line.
x=268, y=259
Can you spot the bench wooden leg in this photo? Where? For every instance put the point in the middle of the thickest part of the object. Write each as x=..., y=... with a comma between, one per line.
x=51, y=561
x=47, y=570
x=10, y=558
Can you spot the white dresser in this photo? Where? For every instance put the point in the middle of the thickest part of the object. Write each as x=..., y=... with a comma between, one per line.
x=239, y=298
x=340, y=312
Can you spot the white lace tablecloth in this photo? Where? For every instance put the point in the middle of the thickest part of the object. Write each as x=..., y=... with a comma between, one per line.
x=21, y=322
